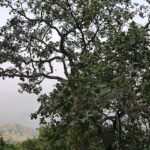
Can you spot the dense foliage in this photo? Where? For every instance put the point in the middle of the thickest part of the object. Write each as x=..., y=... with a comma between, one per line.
x=102, y=101
x=6, y=146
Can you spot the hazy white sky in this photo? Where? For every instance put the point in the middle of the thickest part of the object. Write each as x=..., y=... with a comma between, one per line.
x=16, y=107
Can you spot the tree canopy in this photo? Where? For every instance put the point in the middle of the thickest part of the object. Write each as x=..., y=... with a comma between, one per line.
x=103, y=97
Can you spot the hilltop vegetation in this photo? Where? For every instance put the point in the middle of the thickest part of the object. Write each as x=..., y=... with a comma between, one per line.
x=39, y=142
x=16, y=132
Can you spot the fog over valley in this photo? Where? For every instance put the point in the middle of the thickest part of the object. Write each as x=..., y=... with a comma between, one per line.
x=14, y=106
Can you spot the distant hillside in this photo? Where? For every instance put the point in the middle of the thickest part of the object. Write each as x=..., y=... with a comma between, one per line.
x=16, y=132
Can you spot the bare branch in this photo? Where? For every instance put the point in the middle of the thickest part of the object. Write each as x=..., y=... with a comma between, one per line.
x=9, y=73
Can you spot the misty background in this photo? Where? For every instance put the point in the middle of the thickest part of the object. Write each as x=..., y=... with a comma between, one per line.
x=16, y=107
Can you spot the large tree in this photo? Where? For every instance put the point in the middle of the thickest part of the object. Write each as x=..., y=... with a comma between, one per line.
x=103, y=98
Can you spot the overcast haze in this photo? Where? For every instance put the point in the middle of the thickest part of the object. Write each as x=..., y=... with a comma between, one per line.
x=14, y=106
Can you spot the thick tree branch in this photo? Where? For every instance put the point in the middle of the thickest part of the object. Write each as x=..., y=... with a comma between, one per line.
x=78, y=25
x=49, y=61
x=11, y=74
